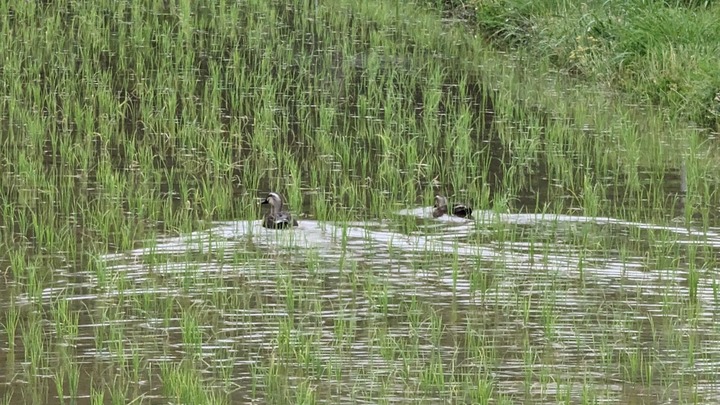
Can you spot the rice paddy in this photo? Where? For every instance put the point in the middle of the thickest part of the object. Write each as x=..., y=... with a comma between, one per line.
x=138, y=140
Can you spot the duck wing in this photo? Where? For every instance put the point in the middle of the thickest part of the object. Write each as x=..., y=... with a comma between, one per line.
x=280, y=221
x=462, y=211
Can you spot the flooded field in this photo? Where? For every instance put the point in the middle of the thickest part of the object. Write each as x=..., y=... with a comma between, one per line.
x=139, y=139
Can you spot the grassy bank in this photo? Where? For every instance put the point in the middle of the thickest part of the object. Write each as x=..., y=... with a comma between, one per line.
x=661, y=53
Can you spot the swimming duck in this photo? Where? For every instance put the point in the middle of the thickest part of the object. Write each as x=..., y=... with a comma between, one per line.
x=277, y=218
x=441, y=208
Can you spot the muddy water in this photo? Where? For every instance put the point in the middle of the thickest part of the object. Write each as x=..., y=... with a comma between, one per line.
x=541, y=317
x=522, y=308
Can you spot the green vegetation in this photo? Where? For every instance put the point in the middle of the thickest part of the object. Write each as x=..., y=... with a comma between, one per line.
x=137, y=137
x=659, y=52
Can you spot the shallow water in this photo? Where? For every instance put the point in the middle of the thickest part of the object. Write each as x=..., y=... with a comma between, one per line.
x=375, y=314
x=504, y=308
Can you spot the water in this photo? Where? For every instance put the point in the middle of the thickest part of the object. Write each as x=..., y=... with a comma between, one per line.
x=539, y=319
x=514, y=306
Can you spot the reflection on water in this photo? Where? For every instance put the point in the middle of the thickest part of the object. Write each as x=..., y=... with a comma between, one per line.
x=372, y=311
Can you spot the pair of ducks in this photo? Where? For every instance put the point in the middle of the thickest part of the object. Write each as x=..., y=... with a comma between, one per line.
x=279, y=219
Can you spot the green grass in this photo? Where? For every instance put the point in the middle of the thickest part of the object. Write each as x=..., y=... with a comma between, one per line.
x=137, y=138
x=659, y=53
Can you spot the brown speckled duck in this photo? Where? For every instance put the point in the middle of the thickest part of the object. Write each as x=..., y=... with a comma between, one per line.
x=441, y=208
x=277, y=218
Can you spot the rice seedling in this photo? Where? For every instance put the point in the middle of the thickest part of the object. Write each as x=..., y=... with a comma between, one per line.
x=137, y=139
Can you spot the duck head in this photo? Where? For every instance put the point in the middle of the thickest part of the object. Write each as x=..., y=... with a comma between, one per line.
x=274, y=200
x=440, y=207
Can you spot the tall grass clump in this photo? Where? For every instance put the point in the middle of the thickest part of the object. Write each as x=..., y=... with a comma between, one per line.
x=658, y=53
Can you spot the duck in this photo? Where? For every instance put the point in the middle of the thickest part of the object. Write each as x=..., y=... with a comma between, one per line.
x=277, y=218
x=440, y=208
